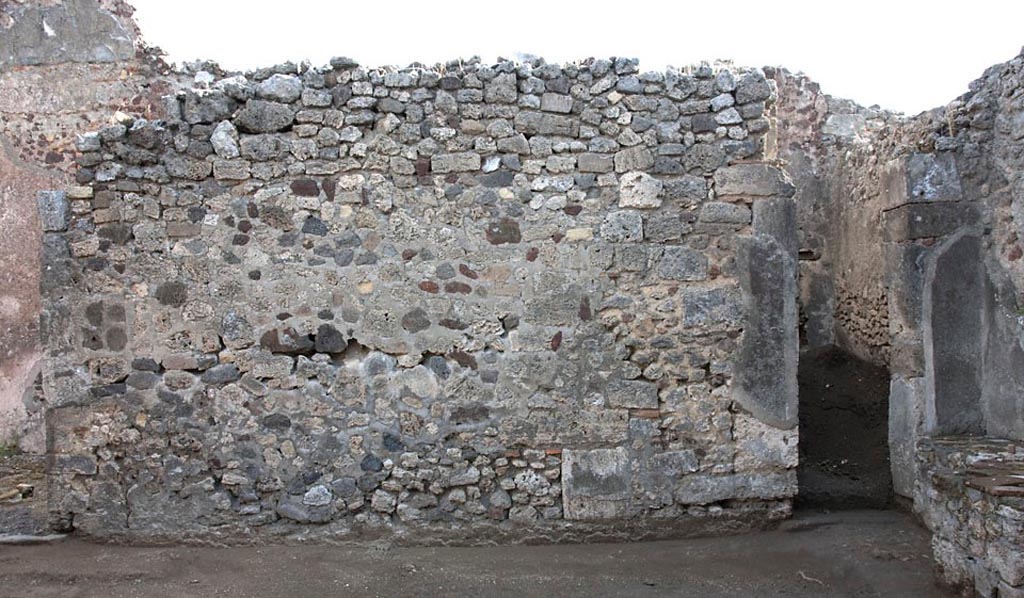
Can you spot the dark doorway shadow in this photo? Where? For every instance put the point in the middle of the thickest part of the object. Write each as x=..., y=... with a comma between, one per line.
x=844, y=441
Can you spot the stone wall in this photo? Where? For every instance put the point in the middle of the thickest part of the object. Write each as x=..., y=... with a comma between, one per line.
x=473, y=297
x=969, y=494
x=834, y=150
x=65, y=67
x=910, y=251
x=911, y=258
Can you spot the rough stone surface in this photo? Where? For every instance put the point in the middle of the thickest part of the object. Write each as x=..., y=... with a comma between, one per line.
x=412, y=305
x=976, y=523
x=766, y=365
x=954, y=301
x=520, y=297
x=597, y=484
x=756, y=180
x=639, y=190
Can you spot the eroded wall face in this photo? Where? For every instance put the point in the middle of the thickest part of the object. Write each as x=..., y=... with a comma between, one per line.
x=517, y=293
x=65, y=67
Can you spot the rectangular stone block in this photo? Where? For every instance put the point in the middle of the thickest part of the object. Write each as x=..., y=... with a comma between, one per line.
x=539, y=123
x=955, y=336
x=720, y=212
x=683, y=263
x=178, y=230
x=596, y=484
x=77, y=464
x=712, y=306
x=600, y=163
x=632, y=394
x=906, y=421
x=926, y=220
x=765, y=381
x=921, y=178
x=634, y=158
x=231, y=170
x=80, y=192
x=53, y=210
x=460, y=162
x=753, y=179
x=556, y=102
x=702, y=489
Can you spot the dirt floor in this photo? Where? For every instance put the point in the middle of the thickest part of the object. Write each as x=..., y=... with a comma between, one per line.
x=844, y=443
x=850, y=553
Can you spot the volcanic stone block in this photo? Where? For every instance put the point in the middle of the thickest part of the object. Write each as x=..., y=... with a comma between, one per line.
x=954, y=339
x=556, y=102
x=280, y=88
x=633, y=394
x=683, y=263
x=700, y=489
x=77, y=464
x=595, y=163
x=596, y=484
x=639, y=190
x=922, y=178
x=231, y=170
x=260, y=116
x=752, y=180
x=63, y=32
x=924, y=220
x=539, y=123
x=712, y=306
x=634, y=158
x=461, y=162
x=776, y=217
x=720, y=212
x=906, y=420
x=765, y=380
x=53, y=210
x=623, y=226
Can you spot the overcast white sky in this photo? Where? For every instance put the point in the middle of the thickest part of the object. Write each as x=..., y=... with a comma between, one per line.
x=902, y=55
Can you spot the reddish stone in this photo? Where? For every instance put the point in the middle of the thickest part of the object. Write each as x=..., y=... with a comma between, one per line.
x=557, y=237
x=305, y=188
x=572, y=210
x=503, y=231
x=422, y=166
x=556, y=341
x=585, y=313
x=429, y=286
x=553, y=451
x=465, y=271
x=464, y=359
x=458, y=287
x=1015, y=254
x=330, y=187
x=645, y=413
x=532, y=253
x=453, y=324
x=408, y=254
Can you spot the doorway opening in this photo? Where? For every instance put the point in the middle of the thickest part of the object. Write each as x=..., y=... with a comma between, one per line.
x=844, y=442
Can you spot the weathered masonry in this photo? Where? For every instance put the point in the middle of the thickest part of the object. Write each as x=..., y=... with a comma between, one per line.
x=511, y=302
x=354, y=297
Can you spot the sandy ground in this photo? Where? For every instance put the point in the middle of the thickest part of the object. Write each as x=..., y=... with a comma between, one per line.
x=851, y=553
